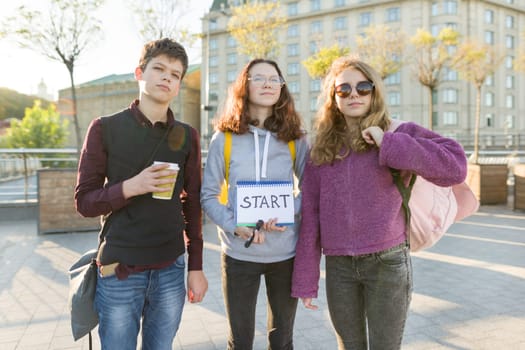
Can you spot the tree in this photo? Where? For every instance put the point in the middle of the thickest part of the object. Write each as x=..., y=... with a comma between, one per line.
x=319, y=64
x=254, y=25
x=162, y=19
x=40, y=128
x=475, y=62
x=432, y=54
x=382, y=48
x=62, y=35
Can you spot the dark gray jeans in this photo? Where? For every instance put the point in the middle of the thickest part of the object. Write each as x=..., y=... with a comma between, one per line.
x=368, y=298
x=240, y=286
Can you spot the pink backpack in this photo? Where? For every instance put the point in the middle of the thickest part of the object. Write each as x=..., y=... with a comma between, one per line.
x=432, y=209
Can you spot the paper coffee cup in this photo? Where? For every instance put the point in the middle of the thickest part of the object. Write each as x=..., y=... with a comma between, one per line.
x=168, y=193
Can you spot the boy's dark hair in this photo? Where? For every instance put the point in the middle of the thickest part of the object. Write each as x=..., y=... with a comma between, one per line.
x=167, y=47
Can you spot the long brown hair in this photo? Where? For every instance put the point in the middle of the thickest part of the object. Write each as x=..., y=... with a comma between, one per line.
x=284, y=121
x=333, y=139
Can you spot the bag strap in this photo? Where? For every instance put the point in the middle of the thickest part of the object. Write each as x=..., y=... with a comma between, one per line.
x=405, y=193
x=228, y=152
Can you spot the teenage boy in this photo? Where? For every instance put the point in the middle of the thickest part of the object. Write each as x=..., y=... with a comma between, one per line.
x=143, y=240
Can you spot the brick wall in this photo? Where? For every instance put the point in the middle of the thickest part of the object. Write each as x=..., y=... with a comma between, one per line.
x=56, y=207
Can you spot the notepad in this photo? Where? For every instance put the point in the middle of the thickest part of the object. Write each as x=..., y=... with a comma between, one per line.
x=264, y=200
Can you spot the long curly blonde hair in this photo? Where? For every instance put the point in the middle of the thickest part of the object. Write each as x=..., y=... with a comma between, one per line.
x=334, y=140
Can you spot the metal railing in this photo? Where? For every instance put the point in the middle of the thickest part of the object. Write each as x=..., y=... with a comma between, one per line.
x=18, y=167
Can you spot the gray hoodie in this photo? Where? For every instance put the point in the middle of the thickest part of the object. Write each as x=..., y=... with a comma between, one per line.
x=275, y=164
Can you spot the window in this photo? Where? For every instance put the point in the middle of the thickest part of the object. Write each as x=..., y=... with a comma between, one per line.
x=293, y=30
x=509, y=41
x=315, y=85
x=214, y=61
x=293, y=9
x=509, y=21
x=489, y=81
x=489, y=120
x=316, y=27
x=394, y=78
x=510, y=121
x=394, y=98
x=395, y=116
x=449, y=74
x=393, y=14
x=509, y=82
x=293, y=68
x=293, y=50
x=315, y=5
x=340, y=23
x=213, y=78
x=365, y=19
x=313, y=104
x=509, y=101
x=231, y=42
x=489, y=99
x=435, y=9
x=232, y=58
x=293, y=87
x=434, y=29
x=312, y=47
x=231, y=75
x=489, y=37
x=213, y=25
x=450, y=118
x=450, y=96
x=509, y=62
x=340, y=3
x=450, y=7
x=489, y=16
x=213, y=44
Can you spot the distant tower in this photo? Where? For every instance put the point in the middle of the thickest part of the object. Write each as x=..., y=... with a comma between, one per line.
x=42, y=91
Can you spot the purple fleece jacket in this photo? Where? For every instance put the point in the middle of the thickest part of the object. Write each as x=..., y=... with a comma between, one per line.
x=352, y=207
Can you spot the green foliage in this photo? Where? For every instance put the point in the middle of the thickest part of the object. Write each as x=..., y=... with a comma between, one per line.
x=319, y=64
x=13, y=104
x=382, y=47
x=254, y=25
x=40, y=128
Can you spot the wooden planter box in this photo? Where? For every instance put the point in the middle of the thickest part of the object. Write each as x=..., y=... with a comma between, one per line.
x=56, y=206
x=519, y=186
x=488, y=182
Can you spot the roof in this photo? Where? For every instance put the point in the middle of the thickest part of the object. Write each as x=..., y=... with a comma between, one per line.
x=117, y=78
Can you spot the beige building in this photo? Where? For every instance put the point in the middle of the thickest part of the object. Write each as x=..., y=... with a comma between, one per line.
x=113, y=93
x=313, y=24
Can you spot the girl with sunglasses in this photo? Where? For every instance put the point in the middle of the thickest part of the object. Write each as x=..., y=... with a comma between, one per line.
x=351, y=208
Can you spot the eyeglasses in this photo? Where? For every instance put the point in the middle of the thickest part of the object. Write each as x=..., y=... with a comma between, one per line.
x=261, y=80
x=363, y=88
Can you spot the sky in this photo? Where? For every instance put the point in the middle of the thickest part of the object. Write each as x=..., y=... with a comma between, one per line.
x=116, y=53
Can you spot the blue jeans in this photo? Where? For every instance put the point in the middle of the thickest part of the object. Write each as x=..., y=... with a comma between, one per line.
x=155, y=296
x=368, y=298
x=240, y=284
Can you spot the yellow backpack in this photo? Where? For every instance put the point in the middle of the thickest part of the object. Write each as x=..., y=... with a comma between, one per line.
x=223, y=197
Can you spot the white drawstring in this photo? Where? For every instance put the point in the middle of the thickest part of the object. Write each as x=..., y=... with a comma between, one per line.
x=258, y=171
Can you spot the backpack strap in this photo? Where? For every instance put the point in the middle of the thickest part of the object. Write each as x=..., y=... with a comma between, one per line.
x=223, y=197
x=405, y=193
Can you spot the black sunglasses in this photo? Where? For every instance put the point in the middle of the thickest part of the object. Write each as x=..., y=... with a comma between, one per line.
x=363, y=88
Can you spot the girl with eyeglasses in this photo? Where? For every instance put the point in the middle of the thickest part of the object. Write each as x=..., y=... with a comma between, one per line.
x=352, y=211
x=265, y=129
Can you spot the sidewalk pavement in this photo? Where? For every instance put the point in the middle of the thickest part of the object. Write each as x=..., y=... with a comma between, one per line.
x=469, y=291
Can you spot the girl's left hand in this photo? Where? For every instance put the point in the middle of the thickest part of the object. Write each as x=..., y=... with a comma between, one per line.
x=373, y=135
x=271, y=225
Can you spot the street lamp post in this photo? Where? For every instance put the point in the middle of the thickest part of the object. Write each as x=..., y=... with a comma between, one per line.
x=206, y=108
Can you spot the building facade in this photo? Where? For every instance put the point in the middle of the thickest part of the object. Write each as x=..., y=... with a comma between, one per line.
x=113, y=93
x=313, y=24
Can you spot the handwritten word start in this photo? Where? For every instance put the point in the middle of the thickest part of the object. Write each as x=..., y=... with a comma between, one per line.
x=265, y=202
